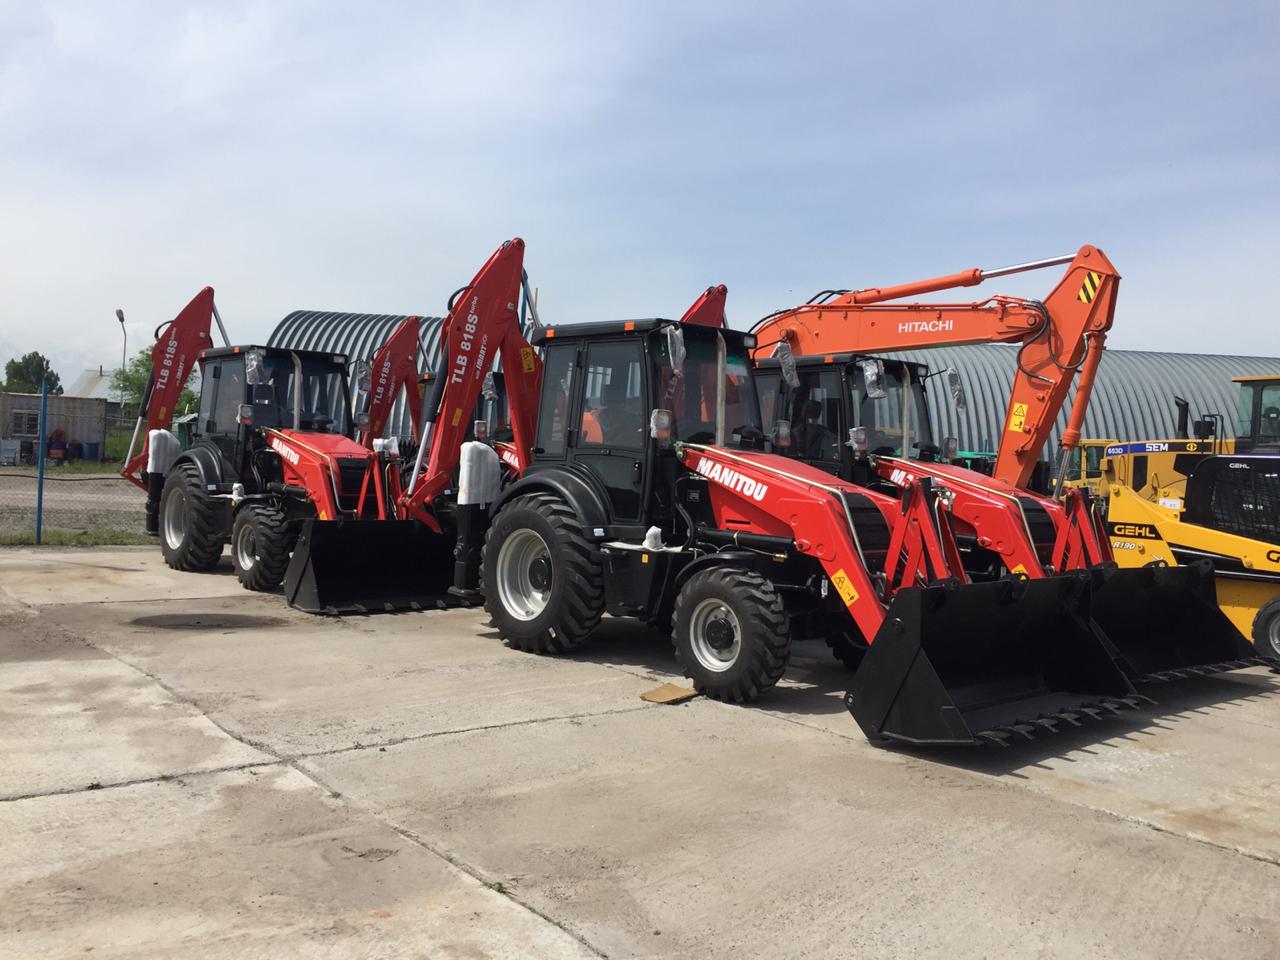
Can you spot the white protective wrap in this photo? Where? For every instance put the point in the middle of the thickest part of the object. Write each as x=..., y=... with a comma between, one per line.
x=479, y=474
x=162, y=449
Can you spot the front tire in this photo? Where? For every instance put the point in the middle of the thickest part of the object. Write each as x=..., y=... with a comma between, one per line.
x=542, y=580
x=190, y=522
x=731, y=633
x=260, y=545
x=1266, y=630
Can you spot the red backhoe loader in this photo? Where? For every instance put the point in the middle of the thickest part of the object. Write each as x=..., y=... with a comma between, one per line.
x=276, y=470
x=650, y=494
x=1164, y=621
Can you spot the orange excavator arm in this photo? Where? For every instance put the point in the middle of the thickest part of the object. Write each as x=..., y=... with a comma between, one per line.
x=178, y=344
x=1060, y=337
x=483, y=319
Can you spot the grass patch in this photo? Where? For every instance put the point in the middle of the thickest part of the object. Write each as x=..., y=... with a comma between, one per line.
x=56, y=537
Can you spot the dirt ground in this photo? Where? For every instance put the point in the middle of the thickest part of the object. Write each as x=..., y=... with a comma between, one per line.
x=187, y=769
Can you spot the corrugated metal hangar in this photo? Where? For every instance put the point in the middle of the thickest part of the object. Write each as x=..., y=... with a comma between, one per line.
x=1132, y=398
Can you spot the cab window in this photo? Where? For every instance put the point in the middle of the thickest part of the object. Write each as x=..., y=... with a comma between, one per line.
x=613, y=411
x=557, y=381
x=815, y=416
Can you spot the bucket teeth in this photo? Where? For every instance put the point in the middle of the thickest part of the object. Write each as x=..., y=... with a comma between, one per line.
x=1024, y=730
x=1071, y=718
x=1046, y=723
x=994, y=736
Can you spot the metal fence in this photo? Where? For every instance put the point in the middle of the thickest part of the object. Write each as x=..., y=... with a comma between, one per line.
x=59, y=475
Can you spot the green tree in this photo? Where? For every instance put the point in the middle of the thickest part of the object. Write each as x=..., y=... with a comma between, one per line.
x=24, y=375
x=130, y=383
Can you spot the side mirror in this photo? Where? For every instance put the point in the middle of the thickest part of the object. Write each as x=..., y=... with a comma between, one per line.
x=782, y=434
x=873, y=377
x=362, y=376
x=950, y=448
x=245, y=414
x=489, y=389
x=787, y=360
x=362, y=420
x=858, y=439
x=675, y=349
x=660, y=424
x=480, y=430
x=956, y=388
x=255, y=368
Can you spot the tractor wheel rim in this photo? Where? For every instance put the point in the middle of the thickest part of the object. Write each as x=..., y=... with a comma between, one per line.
x=246, y=548
x=1273, y=636
x=707, y=625
x=526, y=574
x=175, y=519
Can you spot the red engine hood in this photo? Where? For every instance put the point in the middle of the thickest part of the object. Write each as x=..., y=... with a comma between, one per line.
x=327, y=444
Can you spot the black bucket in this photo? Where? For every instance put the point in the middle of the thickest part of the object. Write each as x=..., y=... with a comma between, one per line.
x=963, y=664
x=1165, y=622
x=368, y=566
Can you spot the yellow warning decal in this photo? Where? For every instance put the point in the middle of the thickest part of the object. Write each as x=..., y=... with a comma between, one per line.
x=162, y=418
x=323, y=515
x=1019, y=569
x=1017, y=418
x=1089, y=289
x=457, y=416
x=526, y=359
x=843, y=587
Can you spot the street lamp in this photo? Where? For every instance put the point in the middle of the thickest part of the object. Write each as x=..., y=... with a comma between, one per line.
x=124, y=353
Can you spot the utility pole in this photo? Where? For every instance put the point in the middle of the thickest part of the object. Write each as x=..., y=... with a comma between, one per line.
x=124, y=355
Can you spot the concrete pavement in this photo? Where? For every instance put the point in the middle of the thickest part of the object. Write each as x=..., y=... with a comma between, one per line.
x=188, y=768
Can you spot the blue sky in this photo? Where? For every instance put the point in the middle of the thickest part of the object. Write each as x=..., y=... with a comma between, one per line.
x=370, y=156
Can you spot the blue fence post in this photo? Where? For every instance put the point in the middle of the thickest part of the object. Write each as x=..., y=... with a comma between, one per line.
x=44, y=416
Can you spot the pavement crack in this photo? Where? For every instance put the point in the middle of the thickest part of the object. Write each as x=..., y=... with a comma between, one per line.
x=458, y=731
x=95, y=786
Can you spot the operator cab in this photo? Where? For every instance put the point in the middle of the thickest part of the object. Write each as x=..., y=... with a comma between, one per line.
x=1258, y=414
x=883, y=401
x=249, y=387
x=616, y=396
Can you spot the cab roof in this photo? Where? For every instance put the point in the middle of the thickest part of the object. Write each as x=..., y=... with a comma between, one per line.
x=214, y=352
x=613, y=328
x=821, y=359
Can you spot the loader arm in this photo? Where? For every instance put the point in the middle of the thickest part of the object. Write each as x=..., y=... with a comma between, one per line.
x=394, y=366
x=483, y=320
x=947, y=662
x=178, y=344
x=1060, y=337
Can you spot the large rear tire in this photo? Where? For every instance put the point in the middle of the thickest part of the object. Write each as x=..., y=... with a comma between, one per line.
x=543, y=581
x=1266, y=630
x=260, y=545
x=190, y=522
x=731, y=633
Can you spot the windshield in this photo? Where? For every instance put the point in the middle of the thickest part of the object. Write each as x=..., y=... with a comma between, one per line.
x=692, y=398
x=898, y=424
x=325, y=403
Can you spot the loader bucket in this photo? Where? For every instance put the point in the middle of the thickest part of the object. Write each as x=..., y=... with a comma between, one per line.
x=964, y=664
x=368, y=566
x=1165, y=622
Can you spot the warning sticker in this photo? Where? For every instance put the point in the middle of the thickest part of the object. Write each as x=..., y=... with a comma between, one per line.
x=840, y=581
x=526, y=359
x=1017, y=418
x=1019, y=569
x=1089, y=289
x=457, y=416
